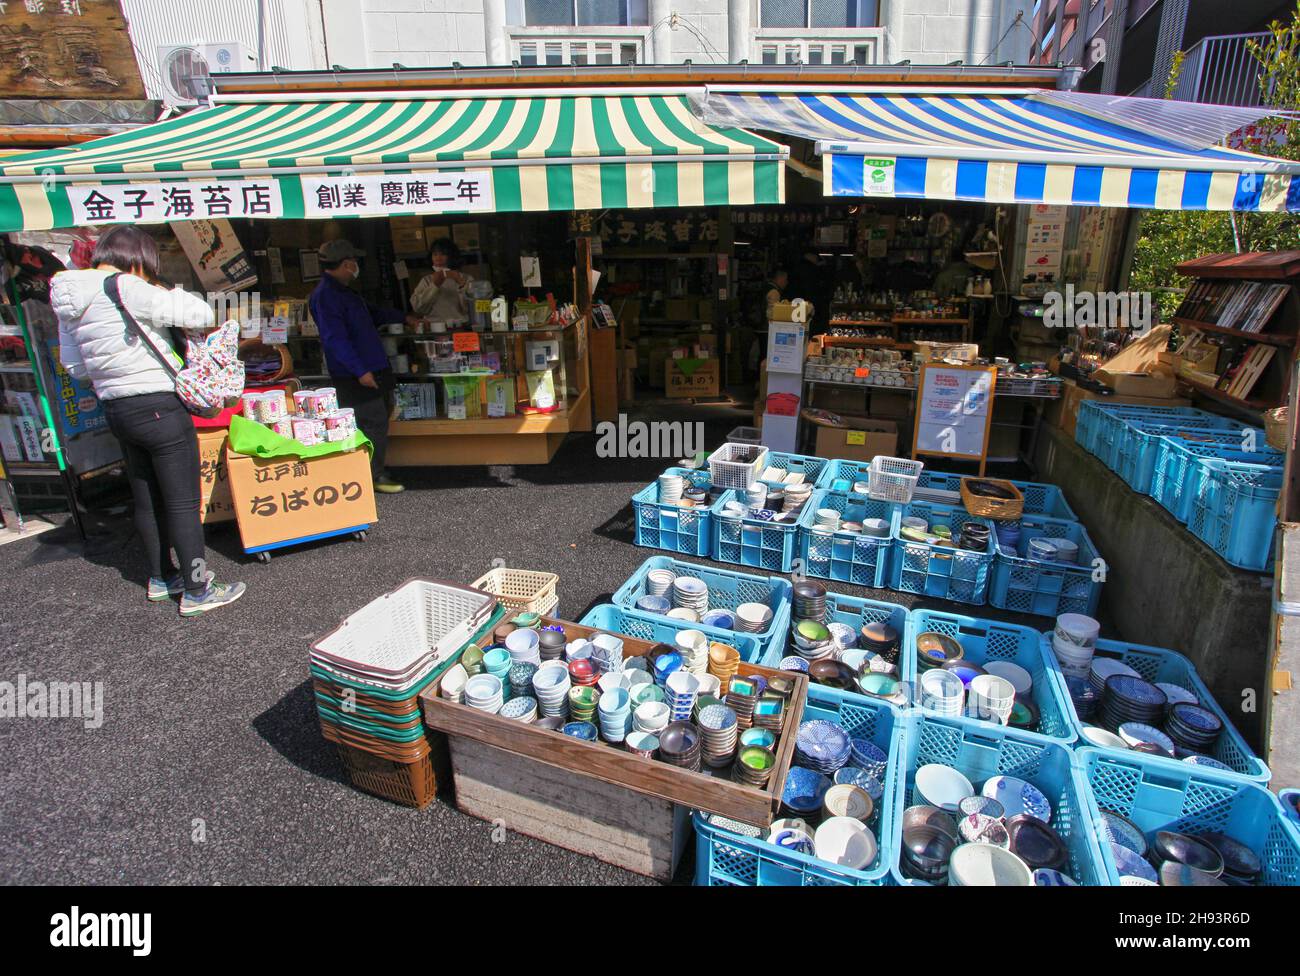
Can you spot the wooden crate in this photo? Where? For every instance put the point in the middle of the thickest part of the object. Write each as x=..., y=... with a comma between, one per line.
x=618, y=767
x=580, y=813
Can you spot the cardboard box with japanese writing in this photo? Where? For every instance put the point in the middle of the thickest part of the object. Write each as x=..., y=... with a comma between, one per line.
x=288, y=498
x=215, y=503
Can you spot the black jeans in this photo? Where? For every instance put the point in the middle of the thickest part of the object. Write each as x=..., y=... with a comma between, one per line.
x=373, y=408
x=162, y=462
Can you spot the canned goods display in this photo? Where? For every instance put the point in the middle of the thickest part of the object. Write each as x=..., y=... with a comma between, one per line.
x=344, y=418
x=272, y=407
x=302, y=403
x=337, y=434
x=327, y=401
x=308, y=431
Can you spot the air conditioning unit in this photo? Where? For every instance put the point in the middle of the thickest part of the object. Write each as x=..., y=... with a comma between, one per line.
x=186, y=69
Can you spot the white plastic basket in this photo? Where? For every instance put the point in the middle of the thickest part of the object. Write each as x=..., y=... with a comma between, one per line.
x=891, y=479
x=402, y=633
x=746, y=435
x=736, y=465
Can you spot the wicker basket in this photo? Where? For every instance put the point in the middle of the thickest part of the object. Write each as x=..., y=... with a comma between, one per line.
x=1277, y=428
x=520, y=590
x=411, y=784
x=1003, y=509
x=250, y=346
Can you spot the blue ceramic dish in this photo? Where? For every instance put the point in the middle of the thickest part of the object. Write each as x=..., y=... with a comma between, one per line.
x=581, y=730
x=1130, y=864
x=804, y=789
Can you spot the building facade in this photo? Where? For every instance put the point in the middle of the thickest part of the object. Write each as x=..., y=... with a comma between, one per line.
x=300, y=34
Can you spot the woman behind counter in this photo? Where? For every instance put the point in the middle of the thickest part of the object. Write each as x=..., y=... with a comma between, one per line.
x=440, y=296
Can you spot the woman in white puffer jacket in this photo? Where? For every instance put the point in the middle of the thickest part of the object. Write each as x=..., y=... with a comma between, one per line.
x=139, y=397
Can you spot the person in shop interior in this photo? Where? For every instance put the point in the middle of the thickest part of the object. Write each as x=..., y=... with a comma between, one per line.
x=354, y=352
x=777, y=284
x=441, y=295
x=138, y=395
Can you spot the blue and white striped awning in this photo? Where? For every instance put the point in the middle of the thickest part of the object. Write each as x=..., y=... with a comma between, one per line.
x=1006, y=147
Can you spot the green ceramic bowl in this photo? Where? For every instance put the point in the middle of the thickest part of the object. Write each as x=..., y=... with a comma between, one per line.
x=757, y=758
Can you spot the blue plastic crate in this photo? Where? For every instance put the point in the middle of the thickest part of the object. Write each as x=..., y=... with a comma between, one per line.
x=727, y=590
x=1040, y=499
x=1160, y=795
x=943, y=572
x=1288, y=799
x=749, y=541
x=993, y=640
x=842, y=470
x=810, y=467
x=727, y=857
x=1158, y=665
x=1234, y=512
x=1178, y=470
x=663, y=630
x=684, y=530
x=980, y=751
x=1046, y=588
x=856, y=611
x=846, y=557
x=1135, y=456
x=1098, y=421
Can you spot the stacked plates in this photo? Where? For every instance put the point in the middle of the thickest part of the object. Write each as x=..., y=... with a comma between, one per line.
x=768, y=713
x=796, y=496
x=693, y=646
x=1127, y=698
x=1177, y=693
x=1074, y=640
x=689, y=593
x=521, y=679
x=615, y=714
x=942, y=692
x=1084, y=696
x=484, y=692
x=1103, y=667
x=1043, y=549
x=927, y=849
x=1142, y=737
x=821, y=745
x=1008, y=535
x=990, y=699
x=1192, y=727
x=653, y=604
x=742, y=697
x=881, y=639
x=718, y=729
x=1066, y=551
x=681, y=745
x=974, y=536
x=680, y=691
x=452, y=685
x=671, y=488
x=522, y=709
x=809, y=601
x=551, y=685
x=722, y=619
x=1241, y=865
x=659, y=581
x=756, y=495
x=827, y=520
x=753, y=618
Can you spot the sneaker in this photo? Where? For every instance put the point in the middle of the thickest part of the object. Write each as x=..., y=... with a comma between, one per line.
x=388, y=486
x=165, y=589
x=216, y=595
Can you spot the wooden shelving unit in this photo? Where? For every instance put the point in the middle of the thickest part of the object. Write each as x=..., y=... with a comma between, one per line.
x=1211, y=298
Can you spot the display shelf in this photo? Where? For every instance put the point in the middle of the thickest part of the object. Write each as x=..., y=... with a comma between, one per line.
x=1216, y=394
x=1266, y=337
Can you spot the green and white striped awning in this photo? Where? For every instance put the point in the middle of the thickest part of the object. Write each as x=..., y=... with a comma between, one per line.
x=387, y=156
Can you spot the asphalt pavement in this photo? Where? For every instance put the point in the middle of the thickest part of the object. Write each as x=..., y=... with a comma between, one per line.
x=209, y=767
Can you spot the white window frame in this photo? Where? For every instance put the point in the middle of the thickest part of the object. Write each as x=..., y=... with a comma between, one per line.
x=589, y=42
x=801, y=44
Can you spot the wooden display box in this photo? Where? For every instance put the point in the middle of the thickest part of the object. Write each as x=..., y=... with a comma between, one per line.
x=592, y=797
x=704, y=381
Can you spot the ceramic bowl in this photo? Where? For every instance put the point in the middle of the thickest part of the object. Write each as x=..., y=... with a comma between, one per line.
x=847, y=842
x=679, y=738
x=844, y=800
x=1021, y=680
x=924, y=815
x=942, y=786
x=1188, y=850
x=804, y=788
x=762, y=738
x=984, y=866
x=581, y=730
x=934, y=650
x=1097, y=736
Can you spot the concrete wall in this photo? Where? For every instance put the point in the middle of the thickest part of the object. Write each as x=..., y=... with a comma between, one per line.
x=1166, y=588
x=939, y=31
x=424, y=33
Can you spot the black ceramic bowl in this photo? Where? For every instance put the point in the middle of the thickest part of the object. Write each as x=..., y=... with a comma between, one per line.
x=1191, y=851
x=1035, y=843
x=1239, y=861
x=679, y=738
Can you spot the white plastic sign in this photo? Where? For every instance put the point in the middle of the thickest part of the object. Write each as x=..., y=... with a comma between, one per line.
x=954, y=410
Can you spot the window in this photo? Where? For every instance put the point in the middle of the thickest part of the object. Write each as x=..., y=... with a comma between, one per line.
x=834, y=14
x=586, y=13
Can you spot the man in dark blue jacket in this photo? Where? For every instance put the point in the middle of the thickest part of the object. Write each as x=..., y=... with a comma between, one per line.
x=354, y=352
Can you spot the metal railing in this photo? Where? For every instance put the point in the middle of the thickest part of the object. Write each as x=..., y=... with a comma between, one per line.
x=1220, y=71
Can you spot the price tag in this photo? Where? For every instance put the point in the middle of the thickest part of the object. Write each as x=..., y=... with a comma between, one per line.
x=858, y=437
x=464, y=342
x=483, y=305
x=275, y=330
x=862, y=372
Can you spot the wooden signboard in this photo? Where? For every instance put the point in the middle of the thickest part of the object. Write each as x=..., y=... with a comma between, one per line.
x=66, y=49
x=954, y=411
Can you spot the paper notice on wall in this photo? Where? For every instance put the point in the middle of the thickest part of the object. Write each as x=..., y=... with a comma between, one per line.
x=218, y=258
x=530, y=268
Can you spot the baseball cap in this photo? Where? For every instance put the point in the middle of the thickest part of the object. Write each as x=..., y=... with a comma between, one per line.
x=338, y=250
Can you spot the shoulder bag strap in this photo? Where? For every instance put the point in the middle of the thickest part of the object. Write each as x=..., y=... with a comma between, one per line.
x=115, y=296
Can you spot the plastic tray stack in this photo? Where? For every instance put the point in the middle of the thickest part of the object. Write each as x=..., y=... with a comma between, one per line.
x=944, y=572
x=1135, y=457
x=367, y=674
x=980, y=751
x=664, y=630
x=1156, y=795
x=1178, y=470
x=735, y=855
x=727, y=590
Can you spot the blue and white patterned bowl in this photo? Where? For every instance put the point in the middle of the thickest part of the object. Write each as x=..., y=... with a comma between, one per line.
x=804, y=789
x=1132, y=865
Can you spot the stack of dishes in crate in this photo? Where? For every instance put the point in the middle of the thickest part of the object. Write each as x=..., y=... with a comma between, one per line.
x=484, y=692
x=1074, y=641
x=671, y=489
x=795, y=497
x=942, y=692
x=809, y=601
x=1192, y=728
x=452, y=685
x=551, y=684
x=693, y=646
x=811, y=640
x=753, y=618
x=658, y=582
x=822, y=745
x=689, y=593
